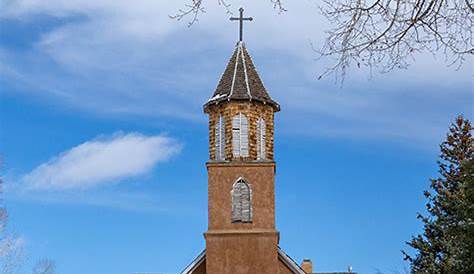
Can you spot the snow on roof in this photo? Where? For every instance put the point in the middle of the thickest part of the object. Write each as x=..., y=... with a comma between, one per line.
x=216, y=97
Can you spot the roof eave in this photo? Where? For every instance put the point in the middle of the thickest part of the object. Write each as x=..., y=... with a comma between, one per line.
x=273, y=104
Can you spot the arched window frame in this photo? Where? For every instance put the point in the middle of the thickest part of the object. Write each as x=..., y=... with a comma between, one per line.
x=240, y=142
x=220, y=138
x=241, y=202
x=261, y=139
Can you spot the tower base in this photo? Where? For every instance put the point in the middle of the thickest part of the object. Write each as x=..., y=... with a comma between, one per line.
x=243, y=252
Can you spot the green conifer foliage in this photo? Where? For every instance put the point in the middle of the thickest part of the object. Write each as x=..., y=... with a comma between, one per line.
x=446, y=245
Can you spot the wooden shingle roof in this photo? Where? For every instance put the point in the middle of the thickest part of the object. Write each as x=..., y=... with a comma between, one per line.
x=241, y=81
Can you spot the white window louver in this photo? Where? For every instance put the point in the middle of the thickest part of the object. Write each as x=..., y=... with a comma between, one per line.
x=261, y=139
x=241, y=202
x=220, y=139
x=240, y=143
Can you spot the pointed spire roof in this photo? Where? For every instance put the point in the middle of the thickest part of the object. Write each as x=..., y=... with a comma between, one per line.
x=241, y=81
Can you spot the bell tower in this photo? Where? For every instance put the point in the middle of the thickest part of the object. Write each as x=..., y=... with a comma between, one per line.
x=241, y=236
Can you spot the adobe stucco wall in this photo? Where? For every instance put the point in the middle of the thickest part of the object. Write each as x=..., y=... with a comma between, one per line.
x=239, y=252
x=241, y=247
x=259, y=175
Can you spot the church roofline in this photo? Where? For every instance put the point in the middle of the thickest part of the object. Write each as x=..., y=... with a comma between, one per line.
x=196, y=263
x=287, y=260
x=225, y=99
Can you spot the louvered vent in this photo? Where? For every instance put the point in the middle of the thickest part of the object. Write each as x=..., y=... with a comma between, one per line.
x=240, y=142
x=220, y=139
x=261, y=139
x=241, y=202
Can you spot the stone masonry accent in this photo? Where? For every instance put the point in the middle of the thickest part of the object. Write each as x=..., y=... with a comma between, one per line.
x=253, y=110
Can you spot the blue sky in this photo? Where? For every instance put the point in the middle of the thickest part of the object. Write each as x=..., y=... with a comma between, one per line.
x=104, y=142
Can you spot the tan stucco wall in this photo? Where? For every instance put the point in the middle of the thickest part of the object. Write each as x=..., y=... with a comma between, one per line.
x=241, y=247
x=282, y=268
x=221, y=178
x=242, y=253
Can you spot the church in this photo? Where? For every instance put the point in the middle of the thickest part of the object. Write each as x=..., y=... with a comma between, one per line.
x=242, y=237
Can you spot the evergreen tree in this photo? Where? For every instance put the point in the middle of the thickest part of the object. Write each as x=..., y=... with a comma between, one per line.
x=446, y=245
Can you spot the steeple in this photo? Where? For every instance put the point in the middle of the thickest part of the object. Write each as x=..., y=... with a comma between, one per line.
x=241, y=82
x=241, y=113
x=241, y=235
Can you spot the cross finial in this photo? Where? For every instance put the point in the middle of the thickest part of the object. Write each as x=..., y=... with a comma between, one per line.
x=241, y=19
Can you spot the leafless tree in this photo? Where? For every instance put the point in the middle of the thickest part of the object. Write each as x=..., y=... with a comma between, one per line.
x=196, y=7
x=45, y=266
x=387, y=33
x=12, y=251
x=12, y=255
x=11, y=248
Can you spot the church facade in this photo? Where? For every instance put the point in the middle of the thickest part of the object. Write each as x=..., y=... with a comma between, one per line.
x=242, y=237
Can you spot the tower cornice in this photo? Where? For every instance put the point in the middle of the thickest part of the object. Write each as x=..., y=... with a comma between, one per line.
x=240, y=163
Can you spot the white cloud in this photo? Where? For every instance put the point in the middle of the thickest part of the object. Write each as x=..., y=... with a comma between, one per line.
x=118, y=57
x=101, y=161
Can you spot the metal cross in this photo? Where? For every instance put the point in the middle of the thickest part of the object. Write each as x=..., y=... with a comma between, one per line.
x=241, y=19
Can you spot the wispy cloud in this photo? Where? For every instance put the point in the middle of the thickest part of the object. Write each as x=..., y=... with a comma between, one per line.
x=121, y=199
x=105, y=160
x=124, y=58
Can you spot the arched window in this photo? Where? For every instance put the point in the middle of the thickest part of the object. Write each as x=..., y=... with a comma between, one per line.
x=240, y=143
x=241, y=202
x=261, y=139
x=220, y=138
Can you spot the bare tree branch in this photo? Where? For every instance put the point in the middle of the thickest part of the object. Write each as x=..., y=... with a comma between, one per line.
x=277, y=4
x=196, y=7
x=12, y=255
x=386, y=34
x=45, y=266
x=11, y=248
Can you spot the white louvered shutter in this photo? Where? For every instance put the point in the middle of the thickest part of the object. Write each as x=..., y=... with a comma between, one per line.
x=236, y=204
x=261, y=139
x=241, y=202
x=236, y=136
x=240, y=136
x=244, y=136
x=217, y=138
x=220, y=139
x=246, y=196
